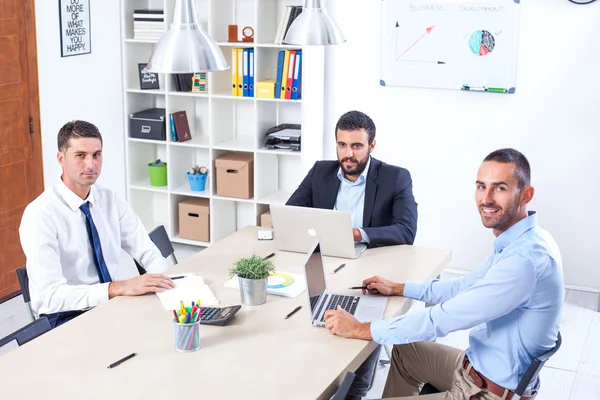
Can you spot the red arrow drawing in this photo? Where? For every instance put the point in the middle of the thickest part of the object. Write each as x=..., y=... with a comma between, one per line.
x=427, y=32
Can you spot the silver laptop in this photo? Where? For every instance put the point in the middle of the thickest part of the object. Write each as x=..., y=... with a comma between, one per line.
x=295, y=229
x=364, y=308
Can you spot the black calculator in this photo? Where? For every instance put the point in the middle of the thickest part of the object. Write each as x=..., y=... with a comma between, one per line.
x=217, y=315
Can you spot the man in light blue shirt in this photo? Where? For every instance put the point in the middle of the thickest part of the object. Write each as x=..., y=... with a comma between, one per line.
x=513, y=302
x=351, y=198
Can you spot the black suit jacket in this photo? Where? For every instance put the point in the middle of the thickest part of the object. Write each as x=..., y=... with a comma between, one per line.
x=390, y=211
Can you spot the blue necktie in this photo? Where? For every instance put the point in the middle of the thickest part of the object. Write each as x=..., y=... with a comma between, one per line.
x=95, y=242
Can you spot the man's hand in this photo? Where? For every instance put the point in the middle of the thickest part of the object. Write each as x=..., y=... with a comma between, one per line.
x=357, y=235
x=341, y=323
x=378, y=285
x=147, y=283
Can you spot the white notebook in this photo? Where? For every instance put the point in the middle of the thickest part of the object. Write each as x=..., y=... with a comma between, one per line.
x=188, y=289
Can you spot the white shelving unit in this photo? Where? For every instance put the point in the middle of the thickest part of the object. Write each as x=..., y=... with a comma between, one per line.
x=219, y=122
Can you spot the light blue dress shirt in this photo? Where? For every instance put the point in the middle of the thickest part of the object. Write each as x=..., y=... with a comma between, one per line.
x=513, y=301
x=351, y=198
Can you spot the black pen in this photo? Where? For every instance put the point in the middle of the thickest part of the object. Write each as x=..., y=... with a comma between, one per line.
x=117, y=363
x=358, y=287
x=178, y=277
x=293, y=312
x=338, y=268
x=269, y=256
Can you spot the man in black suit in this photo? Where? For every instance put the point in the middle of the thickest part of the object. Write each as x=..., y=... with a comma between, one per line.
x=378, y=195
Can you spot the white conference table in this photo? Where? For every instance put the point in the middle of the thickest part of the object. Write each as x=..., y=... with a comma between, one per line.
x=258, y=355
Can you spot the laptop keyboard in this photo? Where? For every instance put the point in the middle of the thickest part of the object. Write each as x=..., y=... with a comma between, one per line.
x=313, y=301
x=348, y=303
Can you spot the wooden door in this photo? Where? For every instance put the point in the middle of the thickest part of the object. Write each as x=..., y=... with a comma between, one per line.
x=21, y=178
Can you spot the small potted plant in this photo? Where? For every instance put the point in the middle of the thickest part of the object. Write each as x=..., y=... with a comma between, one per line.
x=253, y=273
x=197, y=178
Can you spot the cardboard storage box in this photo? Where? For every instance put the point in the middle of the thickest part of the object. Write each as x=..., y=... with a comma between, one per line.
x=194, y=219
x=235, y=175
x=265, y=220
x=265, y=89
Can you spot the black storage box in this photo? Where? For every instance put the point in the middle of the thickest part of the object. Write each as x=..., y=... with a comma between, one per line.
x=148, y=124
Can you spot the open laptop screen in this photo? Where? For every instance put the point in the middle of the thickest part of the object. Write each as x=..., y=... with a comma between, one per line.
x=315, y=277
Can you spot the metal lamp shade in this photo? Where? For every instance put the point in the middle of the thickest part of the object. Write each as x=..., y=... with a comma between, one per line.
x=186, y=47
x=314, y=27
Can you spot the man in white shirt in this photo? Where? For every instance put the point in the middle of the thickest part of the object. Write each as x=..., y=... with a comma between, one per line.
x=73, y=233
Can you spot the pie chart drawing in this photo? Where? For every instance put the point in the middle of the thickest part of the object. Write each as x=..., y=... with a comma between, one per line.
x=482, y=42
x=280, y=280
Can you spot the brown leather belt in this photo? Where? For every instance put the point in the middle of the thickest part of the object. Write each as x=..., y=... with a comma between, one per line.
x=484, y=383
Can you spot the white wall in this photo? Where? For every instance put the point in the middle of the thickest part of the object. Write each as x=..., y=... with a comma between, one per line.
x=442, y=136
x=84, y=87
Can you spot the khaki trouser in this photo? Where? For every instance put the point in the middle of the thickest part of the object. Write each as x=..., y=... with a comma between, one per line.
x=417, y=363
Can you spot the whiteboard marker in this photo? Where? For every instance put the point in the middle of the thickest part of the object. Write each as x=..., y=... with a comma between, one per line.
x=476, y=89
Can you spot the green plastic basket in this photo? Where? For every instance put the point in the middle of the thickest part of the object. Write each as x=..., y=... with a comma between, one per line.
x=158, y=175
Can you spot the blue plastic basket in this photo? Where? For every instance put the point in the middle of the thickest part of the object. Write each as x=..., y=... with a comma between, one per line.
x=197, y=182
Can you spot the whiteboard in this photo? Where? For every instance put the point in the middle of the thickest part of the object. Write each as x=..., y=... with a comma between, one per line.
x=450, y=44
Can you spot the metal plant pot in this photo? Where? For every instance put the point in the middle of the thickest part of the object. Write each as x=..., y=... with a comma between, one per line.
x=253, y=291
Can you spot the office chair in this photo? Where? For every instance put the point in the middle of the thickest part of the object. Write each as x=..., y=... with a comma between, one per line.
x=24, y=284
x=160, y=238
x=28, y=332
x=388, y=353
x=342, y=391
x=530, y=375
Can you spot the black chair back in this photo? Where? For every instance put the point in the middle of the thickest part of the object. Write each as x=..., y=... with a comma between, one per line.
x=342, y=391
x=160, y=238
x=536, y=366
x=24, y=285
x=28, y=332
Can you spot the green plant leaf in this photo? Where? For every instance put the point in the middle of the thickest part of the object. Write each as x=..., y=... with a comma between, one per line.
x=253, y=267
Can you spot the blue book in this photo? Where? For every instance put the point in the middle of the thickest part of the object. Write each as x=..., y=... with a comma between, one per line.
x=251, y=73
x=173, y=131
x=297, y=80
x=245, y=72
x=279, y=74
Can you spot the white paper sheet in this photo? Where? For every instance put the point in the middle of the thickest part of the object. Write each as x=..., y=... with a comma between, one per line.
x=188, y=289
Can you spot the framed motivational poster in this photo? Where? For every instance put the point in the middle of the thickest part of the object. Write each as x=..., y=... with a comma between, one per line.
x=74, y=18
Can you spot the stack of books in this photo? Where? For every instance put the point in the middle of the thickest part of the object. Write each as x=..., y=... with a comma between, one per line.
x=291, y=12
x=197, y=82
x=180, y=128
x=148, y=24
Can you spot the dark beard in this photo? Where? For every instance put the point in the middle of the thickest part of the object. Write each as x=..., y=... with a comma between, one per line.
x=360, y=166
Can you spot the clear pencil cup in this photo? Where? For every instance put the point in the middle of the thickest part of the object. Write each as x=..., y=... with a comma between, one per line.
x=187, y=336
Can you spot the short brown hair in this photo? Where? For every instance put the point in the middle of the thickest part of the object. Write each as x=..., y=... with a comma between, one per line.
x=522, y=167
x=76, y=129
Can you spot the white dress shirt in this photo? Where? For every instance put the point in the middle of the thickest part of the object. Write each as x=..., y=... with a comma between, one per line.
x=60, y=263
